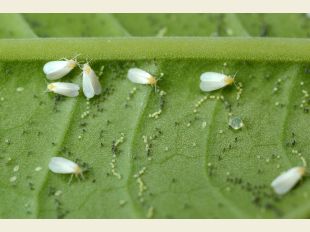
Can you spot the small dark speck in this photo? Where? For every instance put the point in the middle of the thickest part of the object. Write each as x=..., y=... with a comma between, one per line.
x=307, y=70
x=83, y=124
x=264, y=30
x=256, y=200
x=51, y=191
x=31, y=186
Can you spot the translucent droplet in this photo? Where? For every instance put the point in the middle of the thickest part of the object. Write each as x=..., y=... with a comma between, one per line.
x=236, y=123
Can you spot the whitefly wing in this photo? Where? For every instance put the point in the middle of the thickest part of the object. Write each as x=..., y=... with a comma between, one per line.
x=88, y=88
x=95, y=82
x=212, y=81
x=57, y=69
x=139, y=76
x=287, y=180
x=69, y=89
x=62, y=165
x=66, y=89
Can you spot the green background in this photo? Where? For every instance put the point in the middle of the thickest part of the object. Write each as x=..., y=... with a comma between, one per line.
x=196, y=167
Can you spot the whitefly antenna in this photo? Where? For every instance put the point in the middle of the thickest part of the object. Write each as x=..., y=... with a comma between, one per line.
x=234, y=76
x=304, y=162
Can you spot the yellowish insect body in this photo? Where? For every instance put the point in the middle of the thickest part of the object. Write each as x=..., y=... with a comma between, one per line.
x=91, y=84
x=287, y=180
x=57, y=69
x=62, y=165
x=210, y=81
x=140, y=76
x=63, y=88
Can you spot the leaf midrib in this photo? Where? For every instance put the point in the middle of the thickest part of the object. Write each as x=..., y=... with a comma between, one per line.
x=141, y=48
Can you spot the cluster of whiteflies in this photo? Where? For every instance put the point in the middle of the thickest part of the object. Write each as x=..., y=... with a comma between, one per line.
x=283, y=183
x=91, y=86
x=209, y=81
x=57, y=69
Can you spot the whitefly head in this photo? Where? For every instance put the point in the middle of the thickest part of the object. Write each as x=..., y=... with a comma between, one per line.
x=229, y=80
x=51, y=87
x=86, y=68
x=72, y=63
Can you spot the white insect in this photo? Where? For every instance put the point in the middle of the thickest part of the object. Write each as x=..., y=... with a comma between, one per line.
x=63, y=88
x=64, y=166
x=210, y=81
x=91, y=84
x=57, y=69
x=140, y=76
x=288, y=179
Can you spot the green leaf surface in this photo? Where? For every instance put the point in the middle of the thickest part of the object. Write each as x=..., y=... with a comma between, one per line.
x=187, y=163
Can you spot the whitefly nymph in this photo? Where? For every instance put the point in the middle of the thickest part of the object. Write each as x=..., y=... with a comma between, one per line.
x=91, y=84
x=62, y=165
x=57, y=69
x=210, y=81
x=139, y=76
x=63, y=88
x=288, y=179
